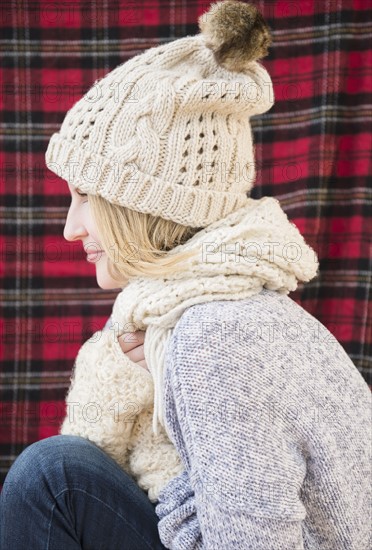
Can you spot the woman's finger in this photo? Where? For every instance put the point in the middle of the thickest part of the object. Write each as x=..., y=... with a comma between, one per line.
x=131, y=340
x=136, y=354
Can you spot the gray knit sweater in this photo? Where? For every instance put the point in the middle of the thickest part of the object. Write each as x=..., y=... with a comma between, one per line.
x=272, y=421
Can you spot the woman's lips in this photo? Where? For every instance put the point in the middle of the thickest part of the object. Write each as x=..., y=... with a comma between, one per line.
x=94, y=256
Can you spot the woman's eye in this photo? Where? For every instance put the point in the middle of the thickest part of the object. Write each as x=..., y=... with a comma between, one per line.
x=82, y=194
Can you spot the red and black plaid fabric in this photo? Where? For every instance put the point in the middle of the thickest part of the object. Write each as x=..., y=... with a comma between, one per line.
x=313, y=153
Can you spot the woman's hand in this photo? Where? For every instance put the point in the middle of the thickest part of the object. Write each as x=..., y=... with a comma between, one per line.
x=132, y=345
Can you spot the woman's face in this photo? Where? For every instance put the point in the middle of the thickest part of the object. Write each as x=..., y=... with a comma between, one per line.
x=80, y=226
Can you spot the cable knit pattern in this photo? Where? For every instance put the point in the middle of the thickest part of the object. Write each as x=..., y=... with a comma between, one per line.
x=255, y=443
x=110, y=402
x=272, y=421
x=167, y=133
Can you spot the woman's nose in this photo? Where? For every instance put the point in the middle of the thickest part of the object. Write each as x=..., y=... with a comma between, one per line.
x=74, y=229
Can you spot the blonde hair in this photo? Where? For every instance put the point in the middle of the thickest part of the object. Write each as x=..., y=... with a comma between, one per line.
x=137, y=244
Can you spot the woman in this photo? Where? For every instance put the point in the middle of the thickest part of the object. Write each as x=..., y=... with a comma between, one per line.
x=269, y=416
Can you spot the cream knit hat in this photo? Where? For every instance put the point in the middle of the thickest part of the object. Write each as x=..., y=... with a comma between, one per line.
x=168, y=132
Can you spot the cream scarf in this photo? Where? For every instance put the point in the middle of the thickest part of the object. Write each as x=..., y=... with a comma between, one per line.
x=235, y=257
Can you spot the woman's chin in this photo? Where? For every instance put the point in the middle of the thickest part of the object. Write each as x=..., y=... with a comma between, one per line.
x=106, y=282
x=104, y=279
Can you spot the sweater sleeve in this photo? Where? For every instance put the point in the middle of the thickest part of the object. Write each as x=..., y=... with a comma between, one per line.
x=106, y=395
x=243, y=472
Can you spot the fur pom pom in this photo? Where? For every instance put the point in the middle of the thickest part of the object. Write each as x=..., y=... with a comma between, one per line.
x=236, y=32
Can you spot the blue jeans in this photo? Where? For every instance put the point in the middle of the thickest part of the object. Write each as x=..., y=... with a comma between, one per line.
x=65, y=493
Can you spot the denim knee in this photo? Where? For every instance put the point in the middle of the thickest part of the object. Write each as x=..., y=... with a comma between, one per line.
x=44, y=456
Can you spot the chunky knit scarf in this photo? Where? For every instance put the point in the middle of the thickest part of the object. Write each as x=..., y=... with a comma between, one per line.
x=251, y=248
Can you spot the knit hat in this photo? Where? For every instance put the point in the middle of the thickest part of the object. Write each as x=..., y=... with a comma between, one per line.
x=168, y=132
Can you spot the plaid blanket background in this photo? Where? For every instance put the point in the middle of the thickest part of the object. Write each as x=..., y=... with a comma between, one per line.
x=313, y=153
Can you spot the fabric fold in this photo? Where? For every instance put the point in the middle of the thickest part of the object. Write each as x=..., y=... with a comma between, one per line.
x=178, y=523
